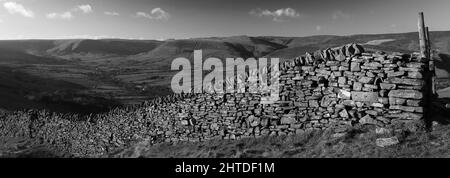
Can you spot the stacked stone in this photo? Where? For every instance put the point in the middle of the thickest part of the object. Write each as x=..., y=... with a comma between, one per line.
x=335, y=88
x=346, y=86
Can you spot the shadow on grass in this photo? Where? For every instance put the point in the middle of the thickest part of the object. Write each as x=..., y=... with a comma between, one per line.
x=444, y=62
x=439, y=112
x=38, y=153
x=11, y=147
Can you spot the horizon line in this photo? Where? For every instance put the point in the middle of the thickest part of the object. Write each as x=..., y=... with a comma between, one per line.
x=147, y=39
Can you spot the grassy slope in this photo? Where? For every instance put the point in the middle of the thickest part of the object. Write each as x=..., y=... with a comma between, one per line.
x=360, y=143
x=318, y=144
x=15, y=86
x=23, y=148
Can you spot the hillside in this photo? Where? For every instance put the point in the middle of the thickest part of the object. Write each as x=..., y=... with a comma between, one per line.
x=104, y=46
x=123, y=132
x=132, y=71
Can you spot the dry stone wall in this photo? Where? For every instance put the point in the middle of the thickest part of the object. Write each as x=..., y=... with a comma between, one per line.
x=335, y=88
x=331, y=89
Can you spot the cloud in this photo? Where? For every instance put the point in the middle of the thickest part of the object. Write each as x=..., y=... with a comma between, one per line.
x=276, y=15
x=318, y=28
x=85, y=8
x=67, y=15
x=15, y=8
x=111, y=13
x=156, y=14
x=339, y=15
x=94, y=37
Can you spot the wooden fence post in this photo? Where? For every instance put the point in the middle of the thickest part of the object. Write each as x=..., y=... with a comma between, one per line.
x=431, y=64
x=422, y=37
x=424, y=40
x=427, y=34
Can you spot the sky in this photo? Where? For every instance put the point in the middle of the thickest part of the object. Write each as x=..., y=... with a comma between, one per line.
x=180, y=19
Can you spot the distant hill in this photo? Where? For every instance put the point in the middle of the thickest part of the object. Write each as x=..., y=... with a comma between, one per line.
x=236, y=45
x=20, y=57
x=163, y=52
x=107, y=46
x=239, y=46
x=77, y=47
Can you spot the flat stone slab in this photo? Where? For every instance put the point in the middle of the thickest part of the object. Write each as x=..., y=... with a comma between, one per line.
x=344, y=94
x=415, y=82
x=385, y=142
x=387, y=86
x=405, y=116
x=365, y=96
x=410, y=94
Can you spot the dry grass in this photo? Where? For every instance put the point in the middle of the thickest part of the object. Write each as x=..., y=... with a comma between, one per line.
x=360, y=143
x=26, y=148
